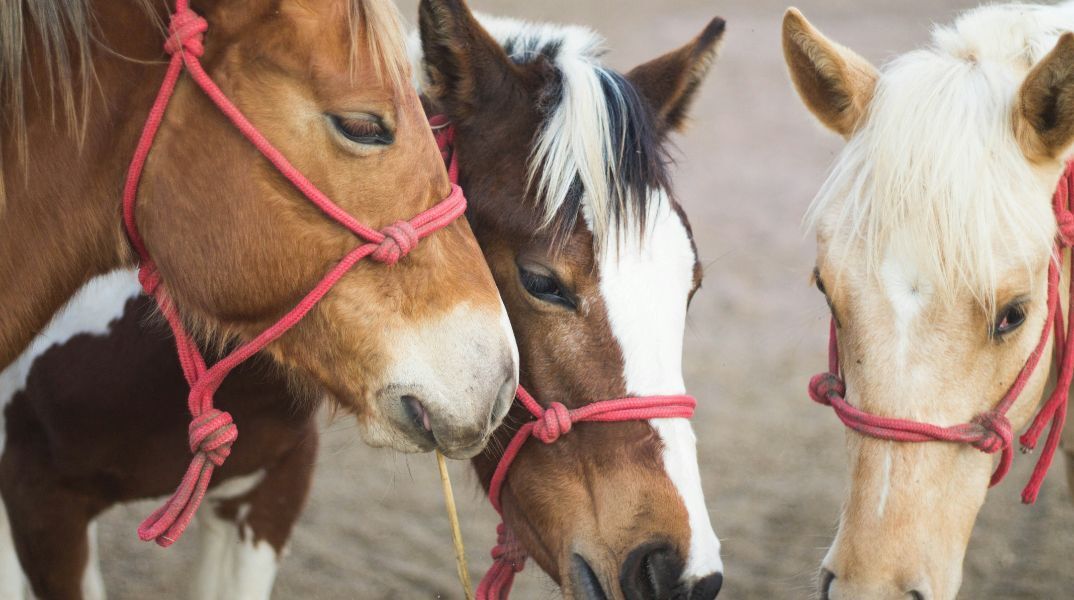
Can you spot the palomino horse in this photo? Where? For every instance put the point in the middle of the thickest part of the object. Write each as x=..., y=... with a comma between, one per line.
x=234, y=243
x=644, y=532
x=936, y=253
x=596, y=265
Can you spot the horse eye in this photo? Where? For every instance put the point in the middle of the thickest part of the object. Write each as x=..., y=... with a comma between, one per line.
x=368, y=130
x=544, y=287
x=1009, y=319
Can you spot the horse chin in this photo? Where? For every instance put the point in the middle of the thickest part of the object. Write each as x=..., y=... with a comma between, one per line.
x=870, y=563
x=377, y=435
x=399, y=421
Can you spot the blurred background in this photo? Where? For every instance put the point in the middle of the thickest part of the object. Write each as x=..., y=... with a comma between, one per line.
x=772, y=462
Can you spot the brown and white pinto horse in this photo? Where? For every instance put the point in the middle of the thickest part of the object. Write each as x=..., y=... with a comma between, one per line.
x=936, y=247
x=235, y=244
x=596, y=263
x=94, y=415
x=609, y=509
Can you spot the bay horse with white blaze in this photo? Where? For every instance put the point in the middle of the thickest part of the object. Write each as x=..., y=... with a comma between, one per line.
x=619, y=510
x=596, y=263
x=942, y=234
x=239, y=253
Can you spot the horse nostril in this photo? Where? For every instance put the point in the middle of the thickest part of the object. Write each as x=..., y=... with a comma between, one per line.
x=916, y=595
x=826, y=580
x=586, y=584
x=707, y=588
x=651, y=571
x=419, y=417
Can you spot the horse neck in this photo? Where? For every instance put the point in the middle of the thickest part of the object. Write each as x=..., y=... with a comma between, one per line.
x=60, y=221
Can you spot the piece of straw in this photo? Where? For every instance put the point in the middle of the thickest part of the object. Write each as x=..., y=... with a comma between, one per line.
x=456, y=532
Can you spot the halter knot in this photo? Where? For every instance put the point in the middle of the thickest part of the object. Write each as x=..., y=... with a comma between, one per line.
x=399, y=239
x=554, y=422
x=186, y=32
x=997, y=433
x=823, y=385
x=507, y=549
x=212, y=434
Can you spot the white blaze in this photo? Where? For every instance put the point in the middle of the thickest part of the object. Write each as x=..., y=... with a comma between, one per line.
x=645, y=285
x=907, y=293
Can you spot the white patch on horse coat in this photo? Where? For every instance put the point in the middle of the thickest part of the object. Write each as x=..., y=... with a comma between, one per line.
x=885, y=485
x=92, y=579
x=908, y=293
x=645, y=285
x=232, y=564
x=235, y=486
x=91, y=310
x=12, y=582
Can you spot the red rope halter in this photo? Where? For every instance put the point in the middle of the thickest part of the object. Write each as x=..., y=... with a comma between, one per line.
x=211, y=431
x=509, y=557
x=989, y=432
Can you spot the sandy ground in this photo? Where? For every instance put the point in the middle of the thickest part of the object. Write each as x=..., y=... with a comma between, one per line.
x=772, y=462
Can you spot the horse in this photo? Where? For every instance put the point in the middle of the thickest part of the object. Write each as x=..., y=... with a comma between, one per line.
x=648, y=505
x=419, y=349
x=596, y=263
x=236, y=250
x=941, y=231
x=81, y=434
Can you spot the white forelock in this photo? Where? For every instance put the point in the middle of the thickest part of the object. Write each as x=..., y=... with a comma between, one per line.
x=936, y=165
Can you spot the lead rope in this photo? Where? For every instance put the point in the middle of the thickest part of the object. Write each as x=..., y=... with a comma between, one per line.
x=212, y=431
x=508, y=555
x=989, y=432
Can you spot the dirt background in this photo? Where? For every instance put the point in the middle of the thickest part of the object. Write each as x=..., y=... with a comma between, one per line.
x=771, y=461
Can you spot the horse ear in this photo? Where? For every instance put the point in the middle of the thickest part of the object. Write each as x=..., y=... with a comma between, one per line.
x=835, y=84
x=1044, y=114
x=670, y=82
x=457, y=54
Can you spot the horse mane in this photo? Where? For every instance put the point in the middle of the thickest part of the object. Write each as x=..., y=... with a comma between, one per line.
x=66, y=30
x=382, y=26
x=936, y=166
x=63, y=30
x=598, y=153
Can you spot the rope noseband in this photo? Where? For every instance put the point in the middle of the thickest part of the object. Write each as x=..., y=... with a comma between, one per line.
x=991, y=431
x=508, y=555
x=212, y=431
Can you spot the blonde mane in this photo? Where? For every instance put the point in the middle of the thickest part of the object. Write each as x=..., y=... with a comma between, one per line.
x=936, y=165
x=382, y=26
